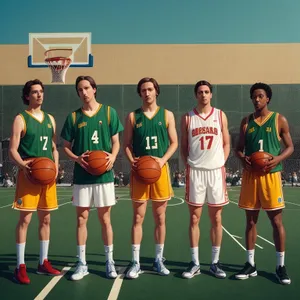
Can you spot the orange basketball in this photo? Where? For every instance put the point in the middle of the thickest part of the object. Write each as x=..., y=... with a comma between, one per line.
x=259, y=160
x=147, y=169
x=97, y=162
x=42, y=171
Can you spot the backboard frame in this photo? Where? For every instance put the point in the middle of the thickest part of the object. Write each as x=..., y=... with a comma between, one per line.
x=84, y=35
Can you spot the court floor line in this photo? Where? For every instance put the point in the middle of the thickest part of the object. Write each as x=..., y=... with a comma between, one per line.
x=52, y=283
x=292, y=203
x=233, y=238
x=115, y=289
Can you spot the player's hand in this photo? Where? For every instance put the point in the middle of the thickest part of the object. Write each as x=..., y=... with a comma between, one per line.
x=110, y=161
x=247, y=163
x=273, y=162
x=81, y=160
x=25, y=167
x=160, y=161
x=134, y=162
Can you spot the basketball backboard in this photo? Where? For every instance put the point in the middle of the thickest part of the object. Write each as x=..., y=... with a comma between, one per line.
x=80, y=43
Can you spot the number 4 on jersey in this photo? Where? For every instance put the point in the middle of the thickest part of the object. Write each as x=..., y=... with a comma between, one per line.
x=95, y=137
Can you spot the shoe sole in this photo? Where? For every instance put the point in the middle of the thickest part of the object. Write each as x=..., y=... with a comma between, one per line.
x=74, y=279
x=135, y=277
x=217, y=276
x=111, y=277
x=281, y=282
x=159, y=273
x=19, y=282
x=49, y=274
x=195, y=274
x=254, y=274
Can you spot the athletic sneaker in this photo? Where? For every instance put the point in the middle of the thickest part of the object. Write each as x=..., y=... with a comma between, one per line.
x=282, y=275
x=160, y=268
x=191, y=271
x=246, y=272
x=20, y=275
x=216, y=270
x=47, y=269
x=134, y=270
x=110, y=269
x=80, y=271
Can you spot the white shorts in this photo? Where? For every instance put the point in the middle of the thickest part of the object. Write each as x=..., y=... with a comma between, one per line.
x=206, y=186
x=98, y=195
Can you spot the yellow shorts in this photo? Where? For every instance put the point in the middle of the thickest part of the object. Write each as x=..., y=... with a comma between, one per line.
x=261, y=191
x=30, y=197
x=161, y=190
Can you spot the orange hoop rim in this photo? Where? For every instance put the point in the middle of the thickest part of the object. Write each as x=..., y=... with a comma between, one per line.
x=58, y=58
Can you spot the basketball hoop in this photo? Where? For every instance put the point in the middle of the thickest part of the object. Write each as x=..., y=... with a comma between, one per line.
x=58, y=64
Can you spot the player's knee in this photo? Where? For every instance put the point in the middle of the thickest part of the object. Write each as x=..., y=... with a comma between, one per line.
x=160, y=219
x=46, y=221
x=138, y=219
x=81, y=221
x=194, y=220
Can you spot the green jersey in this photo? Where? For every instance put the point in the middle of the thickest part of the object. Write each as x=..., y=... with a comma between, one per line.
x=37, y=139
x=91, y=133
x=263, y=137
x=150, y=136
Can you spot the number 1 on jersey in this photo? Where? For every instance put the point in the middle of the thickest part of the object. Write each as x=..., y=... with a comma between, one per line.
x=261, y=145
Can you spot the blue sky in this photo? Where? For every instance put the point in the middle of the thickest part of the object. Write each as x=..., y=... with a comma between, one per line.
x=156, y=21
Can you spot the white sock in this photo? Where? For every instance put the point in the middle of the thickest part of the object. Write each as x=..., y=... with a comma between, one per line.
x=250, y=257
x=280, y=259
x=136, y=253
x=195, y=255
x=44, y=246
x=159, y=249
x=81, y=253
x=215, y=254
x=20, y=254
x=109, y=252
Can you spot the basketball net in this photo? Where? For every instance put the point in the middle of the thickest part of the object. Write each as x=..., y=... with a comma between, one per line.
x=58, y=61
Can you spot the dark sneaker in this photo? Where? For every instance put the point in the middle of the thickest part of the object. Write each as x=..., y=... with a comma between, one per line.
x=282, y=275
x=246, y=272
x=216, y=270
x=47, y=269
x=20, y=275
x=191, y=271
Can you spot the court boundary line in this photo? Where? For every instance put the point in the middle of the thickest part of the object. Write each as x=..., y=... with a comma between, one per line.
x=234, y=238
x=52, y=283
x=116, y=287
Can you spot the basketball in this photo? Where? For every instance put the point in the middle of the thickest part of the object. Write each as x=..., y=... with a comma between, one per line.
x=148, y=170
x=97, y=162
x=259, y=160
x=42, y=171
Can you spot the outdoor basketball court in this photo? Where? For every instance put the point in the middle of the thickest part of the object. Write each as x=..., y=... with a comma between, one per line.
x=62, y=254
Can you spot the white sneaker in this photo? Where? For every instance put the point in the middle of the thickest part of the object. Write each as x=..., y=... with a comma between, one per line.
x=110, y=269
x=134, y=271
x=191, y=271
x=80, y=271
x=160, y=268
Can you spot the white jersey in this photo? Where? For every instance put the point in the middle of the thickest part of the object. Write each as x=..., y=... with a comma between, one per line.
x=205, y=140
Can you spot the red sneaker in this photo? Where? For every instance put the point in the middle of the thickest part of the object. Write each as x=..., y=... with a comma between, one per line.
x=47, y=269
x=20, y=275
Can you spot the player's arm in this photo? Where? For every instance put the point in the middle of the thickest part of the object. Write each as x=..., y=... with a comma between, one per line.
x=16, y=133
x=78, y=159
x=184, y=138
x=239, y=150
x=173, y=139
x=54, y=148
x=115, y=141
x=226, y=136
x=128, y=136
x=284, y=132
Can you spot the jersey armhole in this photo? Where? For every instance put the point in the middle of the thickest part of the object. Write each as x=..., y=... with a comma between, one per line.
x=166, y=119
x=24, y=126
x=74, y=117
x=108, y=115
x=221, y=119
x=277, y=126
x=132, y=119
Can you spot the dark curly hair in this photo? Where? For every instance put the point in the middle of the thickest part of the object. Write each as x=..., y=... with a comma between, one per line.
x=261, y=86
